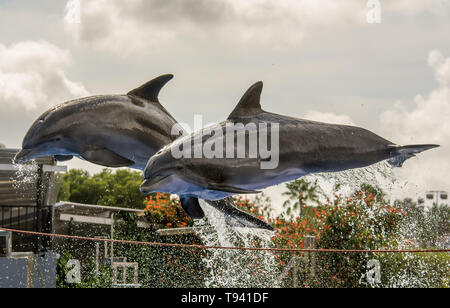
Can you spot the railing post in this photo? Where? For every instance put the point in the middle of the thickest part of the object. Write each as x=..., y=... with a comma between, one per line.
x=30, y=271
x=8, y=238
x=295, y=276
x=310, y=243
x=124, y=266
x=39, y=201
x=97, y=258
x=112, y=238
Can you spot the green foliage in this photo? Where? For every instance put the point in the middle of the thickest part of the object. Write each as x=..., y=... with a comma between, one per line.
x=90, y=278
x=162, y=267
x=162, y=210
x=300, y=193
x=119, y=188
x=418, y=270
x=367, y=221
x=426, y=228
x=364, y=221
x=62, y=270
x=158, y=266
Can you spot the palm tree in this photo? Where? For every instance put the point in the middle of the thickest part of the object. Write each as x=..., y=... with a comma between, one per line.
x=299, y=193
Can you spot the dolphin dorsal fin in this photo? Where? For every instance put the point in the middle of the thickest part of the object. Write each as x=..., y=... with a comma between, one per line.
x=151, y=89
x=250, y=103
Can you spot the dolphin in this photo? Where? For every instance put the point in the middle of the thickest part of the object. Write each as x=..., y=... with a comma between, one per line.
x=116, y=131
x=301, y=147
x=107, y=130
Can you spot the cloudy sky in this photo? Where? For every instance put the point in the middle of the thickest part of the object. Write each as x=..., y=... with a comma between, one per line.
x=319, y=59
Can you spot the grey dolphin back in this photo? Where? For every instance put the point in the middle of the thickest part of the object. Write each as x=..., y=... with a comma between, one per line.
x=250, y=103
x=150, y=90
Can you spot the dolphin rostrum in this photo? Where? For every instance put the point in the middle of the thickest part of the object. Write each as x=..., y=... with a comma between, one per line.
x=115, y=131
x=299, y=147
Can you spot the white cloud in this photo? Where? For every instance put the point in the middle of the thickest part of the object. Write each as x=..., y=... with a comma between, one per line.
x=425, y=120
x=428, y=121
x=149, y=25
x=32, y=76
x=124, y=27
x=414, y=7
x=441, y=67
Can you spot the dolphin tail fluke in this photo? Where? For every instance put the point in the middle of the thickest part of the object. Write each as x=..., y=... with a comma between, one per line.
x=238, y=218
x=401, y=153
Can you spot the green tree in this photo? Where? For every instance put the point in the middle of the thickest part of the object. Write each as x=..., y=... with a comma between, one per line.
x=119, y=188
x=366, y=220
x=158, y=266
x=300, y=193
x=163, y=267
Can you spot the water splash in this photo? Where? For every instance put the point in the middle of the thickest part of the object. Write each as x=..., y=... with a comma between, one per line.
x=25, y=176
x=236, y=268
x=26, y=172
x=398, y=270
x=381, y=175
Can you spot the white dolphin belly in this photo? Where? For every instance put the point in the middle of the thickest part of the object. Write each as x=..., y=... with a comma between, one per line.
x=182, y=187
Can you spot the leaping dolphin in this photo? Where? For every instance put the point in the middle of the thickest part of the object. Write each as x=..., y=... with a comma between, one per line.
x=107, y=130
x=304, y=147
x=116, y=131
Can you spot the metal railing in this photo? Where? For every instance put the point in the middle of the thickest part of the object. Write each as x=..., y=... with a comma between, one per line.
x=19, y=217
x=26, y=218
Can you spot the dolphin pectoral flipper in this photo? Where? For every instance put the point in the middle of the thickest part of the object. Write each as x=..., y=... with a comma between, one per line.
x=150, y=90
x=237, y=218
x=62, y=158
x=106, y=158
x=192, y=207
x=231, y=189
